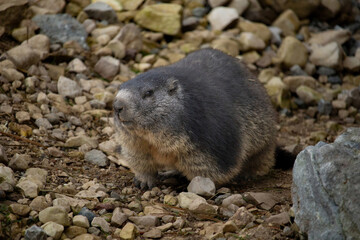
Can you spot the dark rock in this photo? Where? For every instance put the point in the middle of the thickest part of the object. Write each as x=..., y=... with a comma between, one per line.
x=334, y=80
x=324, y=107
x=101, y=11
x=296, y=70
x=190, y=23
x=87, y=213
x=61, y=28
x=12, y=12
x=200, y=12
x=325, y=71
x=35, y=233
x=326, y=188
x=354, y=95
x=3, y=157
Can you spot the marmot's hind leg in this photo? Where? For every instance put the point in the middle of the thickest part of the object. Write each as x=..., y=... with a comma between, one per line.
x=260, y=163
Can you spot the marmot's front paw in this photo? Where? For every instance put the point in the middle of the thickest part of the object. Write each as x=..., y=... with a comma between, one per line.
x=144, y=183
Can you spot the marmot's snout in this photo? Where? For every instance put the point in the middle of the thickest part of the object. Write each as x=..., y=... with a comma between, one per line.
x=121, y=110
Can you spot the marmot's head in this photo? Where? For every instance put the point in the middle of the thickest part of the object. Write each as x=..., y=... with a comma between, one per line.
x=151, y=101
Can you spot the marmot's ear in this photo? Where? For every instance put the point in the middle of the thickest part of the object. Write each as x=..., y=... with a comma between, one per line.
x=173, y=85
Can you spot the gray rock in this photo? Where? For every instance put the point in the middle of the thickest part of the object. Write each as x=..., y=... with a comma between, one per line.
x=102, y=223
x=325, y=71
x=145, y=221
x=97, y=157
x=3, y=157
x=101, y=11
x=43, y=122
x=20, y=162
x=264, y=200
x=53, y=229
x=8, y=180
x=61, y=28
x=326, y=188
x=280, y=219
x=107, y=67
x=87, y=213
x=324, y=107
x=23, y=56
x=153, y=233
x=22, y=116
x=35, y=233
x=189, y=23
x=118, y=218
x=242, y=217
x=39, y=203
x=68, y=88
x=202, y=186
x=236, y=199
x=55, y=214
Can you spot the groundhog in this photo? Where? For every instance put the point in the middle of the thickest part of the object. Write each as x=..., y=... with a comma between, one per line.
x=205, y=115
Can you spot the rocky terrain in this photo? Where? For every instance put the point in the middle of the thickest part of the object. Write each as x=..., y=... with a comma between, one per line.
x=61, y=63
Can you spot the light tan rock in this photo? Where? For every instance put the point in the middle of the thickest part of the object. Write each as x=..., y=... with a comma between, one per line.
x=292, y=52
x=329, y=55
x=288, y=22
x=259, y=29
x=323, y=38
x=222, y=17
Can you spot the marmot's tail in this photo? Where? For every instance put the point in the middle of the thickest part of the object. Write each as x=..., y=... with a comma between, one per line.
x=284, y=159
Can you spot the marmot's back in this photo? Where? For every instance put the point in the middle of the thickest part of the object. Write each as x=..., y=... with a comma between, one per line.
x=208, y=115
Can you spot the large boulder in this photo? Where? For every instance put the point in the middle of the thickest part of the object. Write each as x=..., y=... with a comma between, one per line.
x=326, y=188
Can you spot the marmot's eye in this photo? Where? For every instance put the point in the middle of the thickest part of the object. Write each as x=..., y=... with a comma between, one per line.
x=148, y=93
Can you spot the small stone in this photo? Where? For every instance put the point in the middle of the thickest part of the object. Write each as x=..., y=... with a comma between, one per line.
x=165, y=227
x=23, y=56
x=334, y=80
x=86, y=236
x=118, y=49
x=214, y=231
x=325, y=71
x=189, y=23
x=226, y=45
x=44, y=123
x=102, y=11
x=242, y=217
x=102, y=223
x=20, y=162
x=249, y=41
x=35, y=233
x=3, y=157
x=230, y=226
x=222, y=17
x=87, y=213
x=202, y=186
x=40, y=43
x=293, y=82
x=19, y=209
x=22, y=116
x=329, y=55
x=131, y=5
x=292, y=52
x=239, y=5
x=264, y=200
x=179, y=223
x=62, y=202
x=54, y=214
x=118, y=218
x=259, y=29
x=76, y=65
x=53, y=229
x=324, y=107
x=12, y=75
x=81, y=221
x=308, y=95
x=280, y=219
x=68, y=88
x=128, y=232
x=170, y=200
x=217, y=3
x=107, y=67
x=73, y=231
x=163, y=18
x=236, y=199
x=352, y=64
x=288, y=22
x=97, y=157
x=81, y=140
x=29, y=188
x=187, y=198
x=153, y=233
x=145, y=221
x=39, y=203
x=8, y=180
x=325, y=37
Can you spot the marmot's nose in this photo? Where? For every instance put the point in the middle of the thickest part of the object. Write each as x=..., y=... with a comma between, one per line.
x=119, y=106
